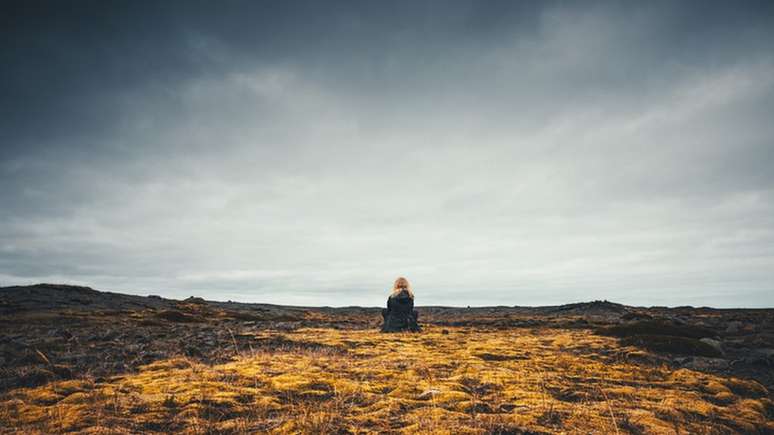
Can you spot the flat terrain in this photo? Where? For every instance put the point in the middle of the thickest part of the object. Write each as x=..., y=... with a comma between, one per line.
x=75, y=359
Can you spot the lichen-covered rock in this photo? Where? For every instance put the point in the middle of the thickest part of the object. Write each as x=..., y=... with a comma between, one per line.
x=399, y=314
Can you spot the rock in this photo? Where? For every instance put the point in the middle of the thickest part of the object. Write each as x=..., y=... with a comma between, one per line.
x=639, y=356
x=62, y=371
x=656, y=327
x=635, y=316
x=33, y=377
x=671, y=345
x=764, y=357
x=733, y=327
x=679, y=320
x=682, y=360
x=109, y=335
x=705, y=363
x=178, y=316
x=193, y=351
x=768, y=353
x=714, y=343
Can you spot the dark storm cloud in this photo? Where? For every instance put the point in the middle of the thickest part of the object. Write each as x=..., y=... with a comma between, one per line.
x=540, y=151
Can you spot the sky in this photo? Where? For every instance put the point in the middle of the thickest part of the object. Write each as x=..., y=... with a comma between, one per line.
x=308, y=153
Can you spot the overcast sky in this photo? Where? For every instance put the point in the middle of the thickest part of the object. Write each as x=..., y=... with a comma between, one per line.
x=518, y=153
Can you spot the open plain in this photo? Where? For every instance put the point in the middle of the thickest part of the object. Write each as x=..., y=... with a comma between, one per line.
x=79, y=360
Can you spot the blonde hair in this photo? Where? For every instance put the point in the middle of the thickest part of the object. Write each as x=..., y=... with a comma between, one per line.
x=400, y=285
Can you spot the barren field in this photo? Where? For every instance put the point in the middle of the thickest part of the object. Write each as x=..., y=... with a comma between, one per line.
x=77, y=360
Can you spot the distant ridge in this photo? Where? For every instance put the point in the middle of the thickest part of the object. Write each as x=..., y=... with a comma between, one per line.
x=46, y=296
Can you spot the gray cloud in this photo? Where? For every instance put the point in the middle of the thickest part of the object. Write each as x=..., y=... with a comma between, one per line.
x=516, y=153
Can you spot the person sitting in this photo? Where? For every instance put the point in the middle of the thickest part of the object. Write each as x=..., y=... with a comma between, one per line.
x=400, y=314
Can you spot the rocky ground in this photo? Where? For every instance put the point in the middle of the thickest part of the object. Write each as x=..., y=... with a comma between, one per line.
x=56, y=333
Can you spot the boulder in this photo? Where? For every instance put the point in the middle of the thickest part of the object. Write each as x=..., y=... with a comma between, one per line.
x=714, y=343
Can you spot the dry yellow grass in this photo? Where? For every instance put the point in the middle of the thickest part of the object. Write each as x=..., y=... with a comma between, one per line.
x=454, y=380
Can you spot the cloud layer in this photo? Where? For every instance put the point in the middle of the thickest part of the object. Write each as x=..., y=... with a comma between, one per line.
x=308, y=153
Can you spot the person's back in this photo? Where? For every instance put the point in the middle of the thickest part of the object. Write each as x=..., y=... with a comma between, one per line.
x=399, y=314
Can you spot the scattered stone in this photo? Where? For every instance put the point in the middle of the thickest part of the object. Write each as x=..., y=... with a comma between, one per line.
x=705, y=363
x=63, y=371
x=193, y=351
x=635, y=316
x=32, y=377
x=768, y=353
x=109, y=335
x=639, y=356
x=657, y=327
x=763, y=357
x=714, y=343
x=733, y=327
x=671, y=344
x=177, y=316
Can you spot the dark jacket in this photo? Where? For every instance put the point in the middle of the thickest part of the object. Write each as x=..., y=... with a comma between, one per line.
x=399, y=314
